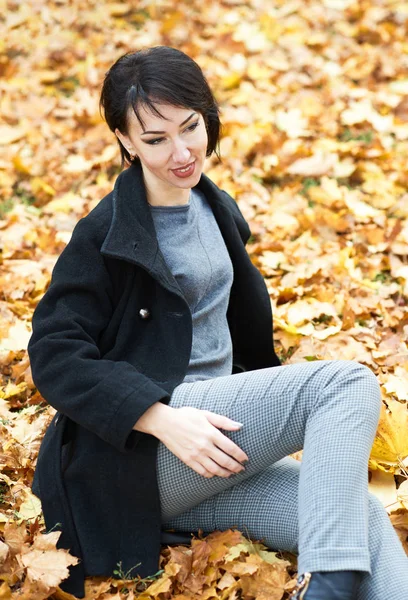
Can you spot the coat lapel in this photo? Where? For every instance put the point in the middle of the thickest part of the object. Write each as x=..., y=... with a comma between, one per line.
x=132, y=235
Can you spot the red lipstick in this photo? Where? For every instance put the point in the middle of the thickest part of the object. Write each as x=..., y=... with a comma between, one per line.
x=186, y=171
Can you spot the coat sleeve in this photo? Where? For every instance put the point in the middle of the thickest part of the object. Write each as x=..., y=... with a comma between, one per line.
x=107, y=397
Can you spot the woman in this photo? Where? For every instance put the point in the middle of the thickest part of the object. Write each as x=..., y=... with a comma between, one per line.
x=154, y=343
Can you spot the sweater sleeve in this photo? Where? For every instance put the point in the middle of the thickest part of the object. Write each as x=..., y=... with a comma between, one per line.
x=106, y=397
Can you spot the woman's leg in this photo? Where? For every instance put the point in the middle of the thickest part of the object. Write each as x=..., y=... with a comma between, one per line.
x=329, y=408
x=265, y=506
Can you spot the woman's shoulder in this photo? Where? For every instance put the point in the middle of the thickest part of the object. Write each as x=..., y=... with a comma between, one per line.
x=95, y=225
x=232, y=204
x=239, y=219
x=210, y=188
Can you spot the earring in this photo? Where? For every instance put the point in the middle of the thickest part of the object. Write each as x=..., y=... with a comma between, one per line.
x=132, y=156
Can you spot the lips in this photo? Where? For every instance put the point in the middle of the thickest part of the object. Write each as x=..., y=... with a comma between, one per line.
x=186, y=171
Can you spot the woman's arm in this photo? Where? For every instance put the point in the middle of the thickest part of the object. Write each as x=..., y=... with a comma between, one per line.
x=154, y=419
x=105, y=396
x=193, y=436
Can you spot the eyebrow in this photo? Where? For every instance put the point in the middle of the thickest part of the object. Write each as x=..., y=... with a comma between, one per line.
x=181, y=125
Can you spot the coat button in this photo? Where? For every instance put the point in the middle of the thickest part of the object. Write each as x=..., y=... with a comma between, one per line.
x=144, y=313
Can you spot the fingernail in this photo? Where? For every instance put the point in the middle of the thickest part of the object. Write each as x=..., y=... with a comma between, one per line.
x=237, y=423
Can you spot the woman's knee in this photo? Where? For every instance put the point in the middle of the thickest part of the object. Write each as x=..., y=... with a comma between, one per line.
x=378, y=516
x=376, y=508
x=366, y=395
x=370, y=398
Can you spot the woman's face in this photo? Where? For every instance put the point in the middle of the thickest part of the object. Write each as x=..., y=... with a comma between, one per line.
x=172, y=150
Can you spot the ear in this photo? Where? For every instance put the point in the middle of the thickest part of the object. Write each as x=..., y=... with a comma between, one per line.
x=123, y=138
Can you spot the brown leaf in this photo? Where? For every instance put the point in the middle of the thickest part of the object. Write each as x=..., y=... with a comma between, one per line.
x=15, y=536
x=399, y=519
x=5, y=591
x=4, y=552
x=268, y=582
x=161, y=586
x=45, y=563
x=220, y=542
x=226, y=581
x=180, y=563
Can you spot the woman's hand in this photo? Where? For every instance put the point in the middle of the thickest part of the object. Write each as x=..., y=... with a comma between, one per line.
x=193, y=436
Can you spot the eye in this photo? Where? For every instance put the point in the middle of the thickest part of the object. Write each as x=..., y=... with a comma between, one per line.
x=192, y=126
x=154, y=142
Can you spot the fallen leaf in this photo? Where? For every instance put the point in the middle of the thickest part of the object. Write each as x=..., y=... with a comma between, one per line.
x=391, y=442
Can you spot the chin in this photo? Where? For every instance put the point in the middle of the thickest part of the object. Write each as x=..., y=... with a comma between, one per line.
x=186, y=185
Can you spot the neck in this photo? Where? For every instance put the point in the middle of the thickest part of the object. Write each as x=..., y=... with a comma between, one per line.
x=166, y=196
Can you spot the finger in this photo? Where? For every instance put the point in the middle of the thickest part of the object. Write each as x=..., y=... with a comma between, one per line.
x=214, y=467
x=221, y=421
x=200, y=469
x=223, y=442
x=229, y=447
x=226, y=461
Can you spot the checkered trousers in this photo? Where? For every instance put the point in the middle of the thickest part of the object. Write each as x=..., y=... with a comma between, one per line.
x=320, y=508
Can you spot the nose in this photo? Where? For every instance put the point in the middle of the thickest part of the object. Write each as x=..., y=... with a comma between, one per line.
x=181, y=153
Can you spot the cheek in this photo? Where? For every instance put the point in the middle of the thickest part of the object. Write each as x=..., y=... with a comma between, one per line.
x=154, y=159
x=202, y=142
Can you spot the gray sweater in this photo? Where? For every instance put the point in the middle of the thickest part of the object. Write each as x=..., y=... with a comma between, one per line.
x=195, y=252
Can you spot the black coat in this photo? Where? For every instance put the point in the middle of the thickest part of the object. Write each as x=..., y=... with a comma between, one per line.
x=112, y=336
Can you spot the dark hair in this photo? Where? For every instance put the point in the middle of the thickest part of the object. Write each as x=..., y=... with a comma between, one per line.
x=157, y=75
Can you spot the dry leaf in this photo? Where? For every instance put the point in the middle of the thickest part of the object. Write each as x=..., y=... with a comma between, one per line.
x=391, y=442
x=313, y=154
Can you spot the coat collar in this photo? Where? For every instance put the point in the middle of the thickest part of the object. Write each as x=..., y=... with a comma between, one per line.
x=132, y=236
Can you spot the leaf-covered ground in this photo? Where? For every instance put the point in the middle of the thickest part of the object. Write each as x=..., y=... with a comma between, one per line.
x=314, y=99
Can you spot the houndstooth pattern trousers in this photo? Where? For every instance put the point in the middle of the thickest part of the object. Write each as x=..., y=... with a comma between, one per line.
x=320, y=508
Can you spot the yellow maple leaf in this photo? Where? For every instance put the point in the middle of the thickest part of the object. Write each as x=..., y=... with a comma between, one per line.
x=31, y=507
x=160, y=586
x=390, y=446
x=39, y=185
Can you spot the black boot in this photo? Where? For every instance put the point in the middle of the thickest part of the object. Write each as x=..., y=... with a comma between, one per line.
x=330, y=585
